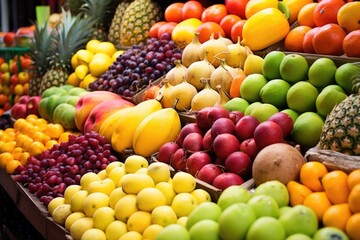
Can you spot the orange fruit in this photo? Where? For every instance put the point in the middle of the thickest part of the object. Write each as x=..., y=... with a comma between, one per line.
x=173, y=12
x=311, y=174
x=192, y=9
x=351, y=44
x=3, y=99
x=297, y=192
x=295, y=37
x=326, y=12
x=19, y=89
x=5, y=157
x=50, y=144
x=12, y=165
x=305, y=16
x=307, y=41
x=329, y=39
x=31, y=118
x=73, y=80
x=319, y=202
x=36, y=148
x=337, y=216
x=17, y=153
x=354, y=199
x=353, y=178
x=24, y=157
x=64, y=137
x=295, y=6
x=353, y=226
x=335, y=185
x=54, y=130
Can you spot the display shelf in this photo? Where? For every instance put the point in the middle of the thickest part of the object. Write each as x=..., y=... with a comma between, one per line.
x=9, y=185
x=55, y=231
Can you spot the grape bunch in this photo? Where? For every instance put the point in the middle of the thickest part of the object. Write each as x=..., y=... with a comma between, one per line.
x=138, y=66
x=48, y=174
x=5, y=121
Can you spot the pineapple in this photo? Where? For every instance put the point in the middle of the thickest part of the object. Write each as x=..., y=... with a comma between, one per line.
x=341, y=131
x=40, y=50
x=69, y=37
x=74, y=6
x=114, y=30
x=138, y=18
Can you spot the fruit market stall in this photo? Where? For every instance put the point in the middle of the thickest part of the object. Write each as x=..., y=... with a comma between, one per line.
x=148, y=120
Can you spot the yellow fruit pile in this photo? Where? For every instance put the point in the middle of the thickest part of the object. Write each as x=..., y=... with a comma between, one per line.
x=132, y=199
x=91, y=62
x=29, y=137
x=333, y=195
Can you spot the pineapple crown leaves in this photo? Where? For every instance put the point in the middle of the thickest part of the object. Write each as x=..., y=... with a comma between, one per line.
x=356, y=79
x=74, y=6
x=71, y=35
x=98, y=10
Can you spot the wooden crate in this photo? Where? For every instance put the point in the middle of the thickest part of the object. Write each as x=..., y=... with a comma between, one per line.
x=9, y=185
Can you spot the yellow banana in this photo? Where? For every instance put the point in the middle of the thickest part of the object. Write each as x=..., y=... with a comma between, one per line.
x=107, y=127
x=125, y=127
x=158, y=128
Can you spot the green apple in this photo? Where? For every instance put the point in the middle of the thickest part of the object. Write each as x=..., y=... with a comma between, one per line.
x=294, y=68
x=233, y=194
x=53, y=91
x=263, y=111
x=77, y=91
x=328, y=98
x=95, y=201
x=293, y=114
x=271, y=65
x=103, y=217
x=274, y=189
x=261, y=228
x=298, y=236
x=344, y=76
x=72, y=100
x=301, y=97
x=283, y=210
x=66, y=87
x=329, y=233
x=274, y=92
x=206, y=210
x=42, y=108
x=236, y=104
x=205, y=230
x=300, y=219
x=173, y=232
x=251, y=86
x=322, y=72
x=307, y=129
x=264, y=205
x=251, y=107
x=67, y=117
x=56, y=116
x=235, y=221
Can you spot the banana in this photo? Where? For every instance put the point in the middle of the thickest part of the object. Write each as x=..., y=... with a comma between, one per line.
x=107, y=127
x=158, y=128
x=125, y=127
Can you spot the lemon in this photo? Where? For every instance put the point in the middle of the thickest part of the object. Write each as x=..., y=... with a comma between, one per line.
x=163, y=215
x=167, y=189
x=77, y=200
x=103, y=216
x=84, y=56
x=131, y=235
x=125, y=207
x=182, y=220
x=72, y=218
x=81, y=71
x=116, y=54
x=133, y=183
x=87, y=178
x=80, y=226
x=152, y=231
x=106, y=47
x=139, y=221
x=201, y=195
x=116, y=174
x=183, y=204
x=87, y=80
x=74, y=61
x=134, y=163
x=92, y=45
x=54, y=203
x=73, y=80
x=115, y=196
x=60, y=213
x=150, y=198
x=159, y=172
x=99, y=65
x=115, y=230
x=112, y=165
x=183, y=182
x=93, y=233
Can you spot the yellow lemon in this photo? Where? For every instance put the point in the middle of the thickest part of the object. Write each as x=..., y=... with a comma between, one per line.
x=81, y=71
x=84, y=56
x=74, y=61
x=99, y=65
x=183, y=182
x=92, y=45
x=106, y=47
x=150, y=198
x=87, y=80
x=73, y=79
x=139, y=221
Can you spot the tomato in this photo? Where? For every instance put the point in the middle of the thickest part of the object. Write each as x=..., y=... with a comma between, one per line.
x=192, y=9
x=166, y=28
x=236, y=7
x=236, y=30
x=207, y=28
x=173, y=13
x=228, y=22
x=153, y=32
x=214, y=13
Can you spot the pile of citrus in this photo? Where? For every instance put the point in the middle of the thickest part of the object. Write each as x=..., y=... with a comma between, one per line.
x=334, y=195
x=29, y=137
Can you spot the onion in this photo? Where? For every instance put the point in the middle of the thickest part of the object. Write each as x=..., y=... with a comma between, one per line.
x=191, y=51
x=224, y=97
x=215, y=49
x=164, y=94
x=223, y=76
x=207, y=97
x=237, y=55
x=197, y=70
x=184, y=92
x=227, y=41
x=176, y=74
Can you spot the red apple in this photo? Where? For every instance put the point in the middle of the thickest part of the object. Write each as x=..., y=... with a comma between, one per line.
x=249, y=147
x=196, y=161
x=201, y=118
x=245, y=127
x=222, y=125
x=18, y=110
x=178, y=161
x=235, y=116
x=227, y=179
x=24, y=99
x=207, y=141
x=267, y=133
x=236, y=7
x=193, y=142
x=225, y=144
x=209, y=172
x=185, y=130
x=240, y=163
x=215, y=113
x=14, y=79
x=9, y=39
x=167, y=151
x=32, y=105
x=285, y=122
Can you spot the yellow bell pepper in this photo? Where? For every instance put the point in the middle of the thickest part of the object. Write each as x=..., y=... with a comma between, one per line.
x=264, y=29
x=254, y=6
x=184, y=31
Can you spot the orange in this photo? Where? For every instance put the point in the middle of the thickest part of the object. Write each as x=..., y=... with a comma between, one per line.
x=336, y=186
x=11, y=166
x=329, y=39
x=305, y=16
x=50, y=144
x=353, y=178
x=173, y=12
x=311, y=174
x=354, y=199
x=294, y=39
x=64, y=137
x=3, y=99
x=24, y=157
x=17, y=153
x=31, y=118
x=351, y=44
x=5, y=158
x=297, y=192
x=236, y=83
x=295, y=6
x=73, y=80
x=27, y=143
x=36, y=148
x=319, y=202
x=337, y=216
x=54, y=130
x=353, y=226
x=326, y=12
